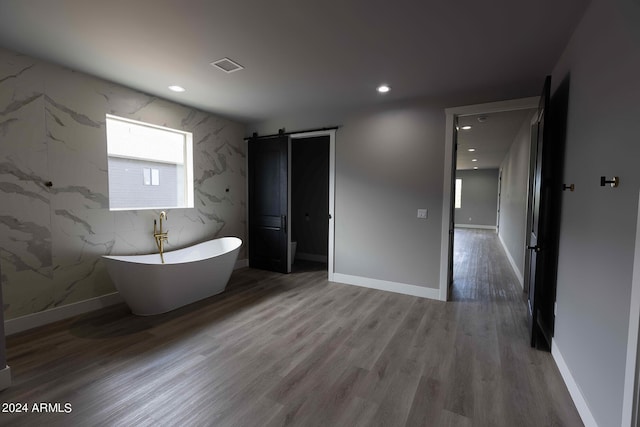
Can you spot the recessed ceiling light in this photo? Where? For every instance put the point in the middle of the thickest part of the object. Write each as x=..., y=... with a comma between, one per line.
x=176, y=88
x=474, y=160
x=475, y=167
x=471, y=150
x=467, y=127
x=384, y=88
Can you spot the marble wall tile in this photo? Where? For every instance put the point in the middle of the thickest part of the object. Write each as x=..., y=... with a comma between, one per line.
x=77, y=142
x=25, y=234
x=78, y=271
x=52, y=128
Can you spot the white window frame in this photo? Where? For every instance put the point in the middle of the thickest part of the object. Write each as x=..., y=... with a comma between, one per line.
x=188, y=201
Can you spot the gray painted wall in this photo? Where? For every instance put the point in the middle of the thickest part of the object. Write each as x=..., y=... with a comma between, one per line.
x=513, y=198
x=310, y=195
x=598, y=225
x=389, y=164
x=479, y=197
x=52, y=128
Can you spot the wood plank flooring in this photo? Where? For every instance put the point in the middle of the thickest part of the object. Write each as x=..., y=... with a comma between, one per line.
x=297, y=350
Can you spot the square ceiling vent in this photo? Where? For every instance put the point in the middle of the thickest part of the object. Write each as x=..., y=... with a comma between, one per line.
x=227, y=65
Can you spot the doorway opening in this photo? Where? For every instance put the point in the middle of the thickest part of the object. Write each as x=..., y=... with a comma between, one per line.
x=269, y=199
x=538, y=214
x=462, y=155
x=309, y=190
x=492, y=178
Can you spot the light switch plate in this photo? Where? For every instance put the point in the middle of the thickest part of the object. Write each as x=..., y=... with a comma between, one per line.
x=422, y=213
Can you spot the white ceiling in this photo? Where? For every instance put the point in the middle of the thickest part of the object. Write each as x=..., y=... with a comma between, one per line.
x=299, y=55
x=491, y=138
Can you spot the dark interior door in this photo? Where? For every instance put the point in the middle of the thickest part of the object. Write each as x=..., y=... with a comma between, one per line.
x=268, y=203
x=535, y=239
x=545, y=219
x=452, y=207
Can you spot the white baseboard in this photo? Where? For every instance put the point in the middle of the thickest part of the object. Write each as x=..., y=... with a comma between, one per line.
x=482, y=227
x=574, y=389
x=384, y=285
x=23, y=323
x=5, y=378
x=514, y=266
x=30, y=321
x=311, y=257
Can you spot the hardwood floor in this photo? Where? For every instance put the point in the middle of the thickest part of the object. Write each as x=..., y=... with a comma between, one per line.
x=298, y=350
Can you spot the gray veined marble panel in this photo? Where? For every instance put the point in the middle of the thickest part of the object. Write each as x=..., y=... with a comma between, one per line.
x=9, y=188
x=18, y=104
x=80, y=195
x=25, y=229
x=206, y=199
x=25, y=254
x=221, y=178
x=134, y=231
x=199, y=230
x=78, y=118
x=6, y=124
x=25, y=234
x=76, y=136
x=78, y=161
x=80, y=237
x=76, y=95
x=26, y=291
x=78, y=272
x=17, y=73
x=21, y=80
x=23, y=148
x=208, y=165
x=124, y=102
x=81, y=221
x=33, y=239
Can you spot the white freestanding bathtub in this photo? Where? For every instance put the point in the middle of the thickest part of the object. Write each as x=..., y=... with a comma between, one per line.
x=188, y=275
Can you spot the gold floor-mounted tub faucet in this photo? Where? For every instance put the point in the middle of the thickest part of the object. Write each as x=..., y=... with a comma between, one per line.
x=160, y=236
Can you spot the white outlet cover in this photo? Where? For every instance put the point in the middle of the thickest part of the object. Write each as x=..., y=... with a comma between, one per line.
x=422, y=213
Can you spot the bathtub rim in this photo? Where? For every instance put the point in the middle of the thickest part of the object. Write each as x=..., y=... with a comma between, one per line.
x=141, y=259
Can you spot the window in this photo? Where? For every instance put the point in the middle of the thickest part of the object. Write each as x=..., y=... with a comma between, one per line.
x=151, y=176
x=458, y=196
x=150, y=167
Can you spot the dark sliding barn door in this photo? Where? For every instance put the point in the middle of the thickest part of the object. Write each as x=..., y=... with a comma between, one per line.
x=268, y=203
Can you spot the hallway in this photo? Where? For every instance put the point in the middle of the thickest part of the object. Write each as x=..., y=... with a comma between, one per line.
x=526, y=386
x=481, y=270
